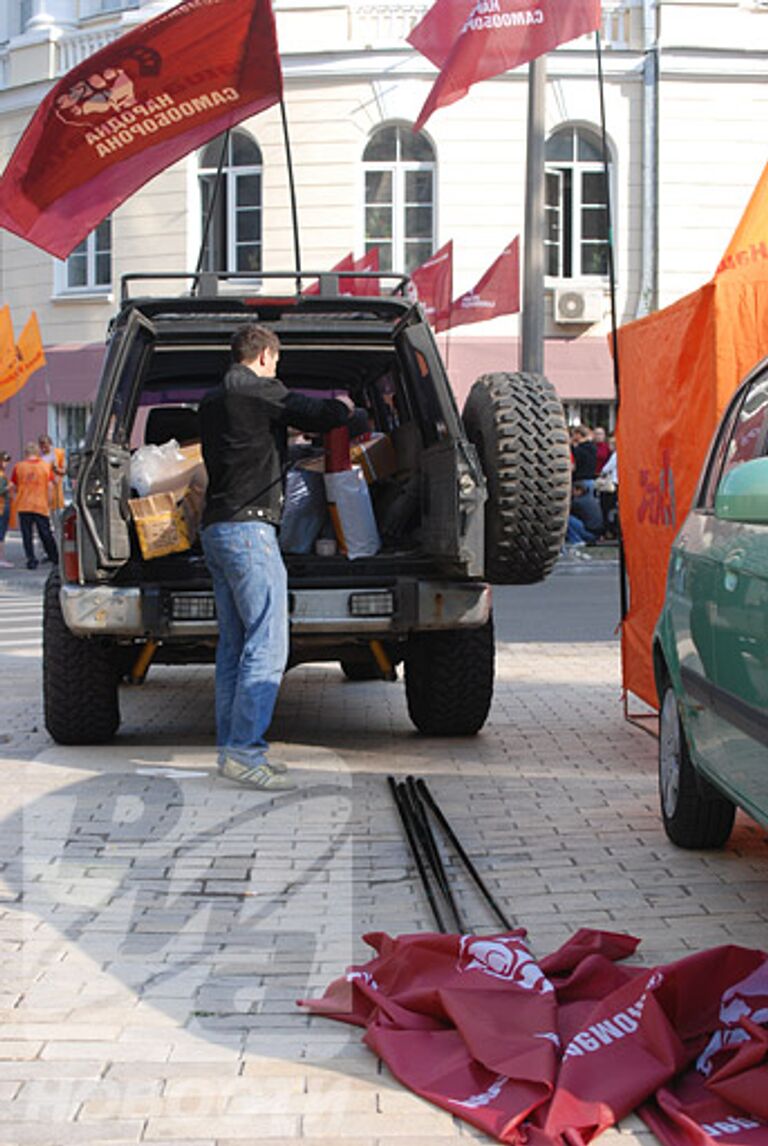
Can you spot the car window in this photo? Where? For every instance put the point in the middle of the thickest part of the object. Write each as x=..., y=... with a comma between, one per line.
x=748, y=439
x=743, y=435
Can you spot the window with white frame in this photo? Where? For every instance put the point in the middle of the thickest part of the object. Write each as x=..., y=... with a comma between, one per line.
x=231, y=203
x=399, y=172
x=89, y=268
x=576, y=205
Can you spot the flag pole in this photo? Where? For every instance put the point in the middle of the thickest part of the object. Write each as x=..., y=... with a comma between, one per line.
x=292, y=188
x=532, y=343
x=211, y=206
x=623, y=588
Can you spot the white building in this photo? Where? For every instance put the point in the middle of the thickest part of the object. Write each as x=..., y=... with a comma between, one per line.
x=686, y=111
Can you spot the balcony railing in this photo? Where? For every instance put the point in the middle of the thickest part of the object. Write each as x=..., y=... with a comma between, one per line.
x=386, y=24
x=371, y=24
x=72, y=50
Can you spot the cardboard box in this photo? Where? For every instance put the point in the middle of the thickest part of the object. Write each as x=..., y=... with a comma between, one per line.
x=376, y=457
x=167, y=522
x=161, y=526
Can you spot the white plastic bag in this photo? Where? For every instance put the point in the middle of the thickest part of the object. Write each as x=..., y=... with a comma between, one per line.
x=304, y=511
x=349, y=502
x=155, y=469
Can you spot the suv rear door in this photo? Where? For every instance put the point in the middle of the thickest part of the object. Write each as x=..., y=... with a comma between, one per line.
x=103, y=481
x=453, y=488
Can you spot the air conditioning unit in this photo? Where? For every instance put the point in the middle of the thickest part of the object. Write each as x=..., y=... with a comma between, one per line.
x=574, y=305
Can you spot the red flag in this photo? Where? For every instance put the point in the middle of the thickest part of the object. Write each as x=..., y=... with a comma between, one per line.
x=474, y=41
x=433, y=283
x=558, y=1050
x=367, y=262
x=133, y=109
x=349, y=285
x=498, y=292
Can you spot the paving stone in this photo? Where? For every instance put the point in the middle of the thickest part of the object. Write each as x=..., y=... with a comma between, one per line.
x=148, y=979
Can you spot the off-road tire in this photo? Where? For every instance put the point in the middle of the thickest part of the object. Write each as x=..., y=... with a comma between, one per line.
x=80, y=679
x=517, y=424
x=694, y=814
x=449, y=680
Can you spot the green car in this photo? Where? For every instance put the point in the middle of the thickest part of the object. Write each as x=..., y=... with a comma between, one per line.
x=711, y=640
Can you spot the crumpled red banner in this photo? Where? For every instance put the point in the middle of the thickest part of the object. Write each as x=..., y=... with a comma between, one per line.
x=558, y=1050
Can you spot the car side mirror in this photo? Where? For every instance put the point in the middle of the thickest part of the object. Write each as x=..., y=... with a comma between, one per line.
x=743, y=493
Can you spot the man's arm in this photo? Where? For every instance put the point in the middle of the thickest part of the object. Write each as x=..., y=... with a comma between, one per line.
x=317, y=414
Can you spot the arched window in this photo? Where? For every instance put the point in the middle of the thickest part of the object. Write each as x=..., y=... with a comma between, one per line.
x=576, y=219
x=399, y=171
x=234, y=233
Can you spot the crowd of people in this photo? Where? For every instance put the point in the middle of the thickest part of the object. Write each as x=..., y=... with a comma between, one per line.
x=594, y=514
x=30, y=491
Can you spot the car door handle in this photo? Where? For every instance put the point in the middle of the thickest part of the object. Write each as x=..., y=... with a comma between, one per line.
x=734, y=561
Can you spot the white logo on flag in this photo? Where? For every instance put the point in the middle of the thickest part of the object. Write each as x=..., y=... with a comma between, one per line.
x=503, y=959
x=484, y=1099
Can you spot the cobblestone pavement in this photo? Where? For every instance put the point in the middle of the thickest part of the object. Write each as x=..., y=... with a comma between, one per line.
x=157, y=924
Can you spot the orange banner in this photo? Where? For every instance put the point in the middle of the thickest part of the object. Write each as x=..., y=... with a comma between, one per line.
x=29, y=357
x=749, y=245
x=678, y=369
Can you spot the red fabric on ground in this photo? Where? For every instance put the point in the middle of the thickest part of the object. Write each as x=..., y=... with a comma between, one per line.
x=559, y=1050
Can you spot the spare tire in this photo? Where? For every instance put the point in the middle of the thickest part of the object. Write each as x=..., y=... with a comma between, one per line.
x=517, y=424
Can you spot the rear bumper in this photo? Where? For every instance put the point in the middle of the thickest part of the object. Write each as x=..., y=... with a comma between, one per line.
x=393, y=609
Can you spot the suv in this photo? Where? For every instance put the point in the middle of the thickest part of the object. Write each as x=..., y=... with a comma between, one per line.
x=474, y=499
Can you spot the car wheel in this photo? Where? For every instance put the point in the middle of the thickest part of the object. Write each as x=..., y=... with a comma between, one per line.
x=449, y=680
x=80, y=679
x=694, y=814
x=517, y=425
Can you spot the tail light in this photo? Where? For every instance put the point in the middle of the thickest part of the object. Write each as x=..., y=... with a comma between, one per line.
x=70, y=558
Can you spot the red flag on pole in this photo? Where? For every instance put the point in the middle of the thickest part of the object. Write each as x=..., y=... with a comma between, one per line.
x=433, y=283
x=498, y=291
x=367, y=262
x=344, y=268
x=134, y=108
x=474, y=41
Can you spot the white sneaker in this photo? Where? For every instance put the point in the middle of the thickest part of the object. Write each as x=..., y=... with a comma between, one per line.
x=278, y=766
x=260, y=776
x=6, y=565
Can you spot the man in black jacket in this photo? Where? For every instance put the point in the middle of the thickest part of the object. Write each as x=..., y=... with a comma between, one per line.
x=243, y=425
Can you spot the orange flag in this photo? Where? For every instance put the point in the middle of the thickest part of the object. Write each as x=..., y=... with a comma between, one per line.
x=749, y=244
x=28, y=358
x=7, y=341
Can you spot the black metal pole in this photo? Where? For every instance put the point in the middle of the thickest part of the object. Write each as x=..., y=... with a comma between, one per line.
x=211, y=205
x=623, y=594
x=292, y=189
x=443, y=822
x=432, y=850
x=397, y=795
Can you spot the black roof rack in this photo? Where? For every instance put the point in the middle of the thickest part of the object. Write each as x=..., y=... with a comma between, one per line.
x=206, y=284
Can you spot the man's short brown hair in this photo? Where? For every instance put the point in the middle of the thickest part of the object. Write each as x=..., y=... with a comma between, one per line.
x=250, y=339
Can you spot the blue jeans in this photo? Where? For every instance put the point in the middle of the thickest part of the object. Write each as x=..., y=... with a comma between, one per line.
x=577, y=531
x=251, y=590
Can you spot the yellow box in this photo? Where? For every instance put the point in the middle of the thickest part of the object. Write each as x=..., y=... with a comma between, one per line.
x=161, y=524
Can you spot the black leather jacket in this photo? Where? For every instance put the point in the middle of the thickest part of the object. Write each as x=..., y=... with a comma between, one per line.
x=243, y=428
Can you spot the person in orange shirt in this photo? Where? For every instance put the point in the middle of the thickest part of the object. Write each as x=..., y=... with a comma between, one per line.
x=57, y=460
x=31, y=484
